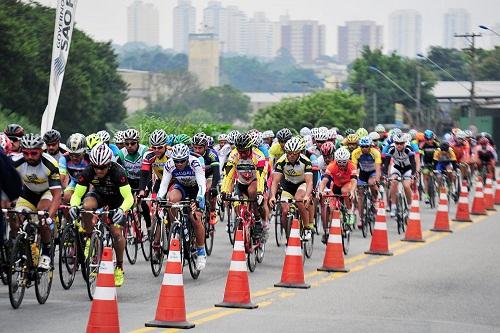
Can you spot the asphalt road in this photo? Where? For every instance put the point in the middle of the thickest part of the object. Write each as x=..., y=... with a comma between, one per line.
x=450, y=283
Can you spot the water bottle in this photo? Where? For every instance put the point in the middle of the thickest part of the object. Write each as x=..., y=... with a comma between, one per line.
x=186, y=233
x=35, y=253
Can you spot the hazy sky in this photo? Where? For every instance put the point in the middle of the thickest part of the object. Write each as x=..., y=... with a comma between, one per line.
x=106, y=19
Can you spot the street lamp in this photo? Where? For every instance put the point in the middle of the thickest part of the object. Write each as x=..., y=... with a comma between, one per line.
x=486, y=28
x=375, y=69
x=420, y=55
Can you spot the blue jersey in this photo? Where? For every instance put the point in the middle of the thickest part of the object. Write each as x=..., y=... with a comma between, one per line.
x=264, y=150
x=68, y=167
x=114, y=149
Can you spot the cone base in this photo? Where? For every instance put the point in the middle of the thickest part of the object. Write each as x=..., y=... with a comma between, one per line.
x=479, y=213
x=329, y=269
x=413, y=240
x=169, y=324
x=380, y=253
x=293, y=285
x=441, y=230
x=492, y=209
x=462, y=220
x=236, y=305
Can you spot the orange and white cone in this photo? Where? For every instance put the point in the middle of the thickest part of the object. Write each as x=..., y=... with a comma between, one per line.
x=478, y=207
x=104, y=310
x=334, y=255
x=171, y=308
x=380, y=240
x=237, y=292
x=292, y=275
x=463, y=214
x=497, y=192
x=414, y=228
x=489, y=200
x=442, y=220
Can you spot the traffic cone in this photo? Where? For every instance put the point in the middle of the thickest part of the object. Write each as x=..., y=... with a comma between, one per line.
x=462, y=214
x=292, y=275
x=414, y=228
x=442, y=220
x=237, y=292
x=489, y=200
x=497, y=192
x=104, y=310
x=380, y=241
x=334, y=255
x=478, y=207
x=171, y=308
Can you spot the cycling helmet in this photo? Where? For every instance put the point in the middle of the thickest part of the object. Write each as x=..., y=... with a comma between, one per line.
x=183, y=138
x=327, y=149
x=118, y=138
x=5, y=143
x=180, y=151
x=258, y=140
x=104, y=135
x=349, y=131
x=455, y=130
x=222, y=137
x=92, y=140
x=314, y=131
x=420, y=137
x=131, y=134
x=395, y=131
x=342, y=155
x=101, y=154
x=340, y=138
x=365, y=141
x=231, y=137
x=399, y=138
x=76, y=143
x=210, y=141
x=332, y=134
x=14, y=130
x=444, y=146
x=468, y=133
x=32, y=141
x=379, y=128
x=295, y=144
x=352, y=139
x=158, y=138
x=52, y=136
x=428, y=134
x=170, y=139
x=461, y=135
x=413, y=134
x=284, y=135
x=483, y=140
x=447, y=137
x=374, y=136
x=200, y=139
x=362, y=132
x=268, y=134
x=322, y=135
x=243, y=141
x=305, y=131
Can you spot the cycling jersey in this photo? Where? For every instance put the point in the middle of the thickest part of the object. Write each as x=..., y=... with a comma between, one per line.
x=276, y=151
x=211, y=160
x=68, y=167
x=485, y=155
x=402, y=159
x=444, y=156
x=152, y=165
x=341, y=176
x=191, y=176
x=245, y=170
x=38, y=178
x=132, y=164
x=427, y=151
x=462, y=151
x=293, y=172
x=366, y=162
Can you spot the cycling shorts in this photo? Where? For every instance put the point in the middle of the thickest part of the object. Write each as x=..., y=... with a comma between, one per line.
x=28, y=200
x=188, y=192
x=290, y=189
x=404, y=173
x=442, y=166
x=112, y=201
x=364, y=176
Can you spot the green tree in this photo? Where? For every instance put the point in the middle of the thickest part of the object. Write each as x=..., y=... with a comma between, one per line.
x=225, y=103
x=489, y=65
x=324, y=108
x=92, y=92
x=155, y=59
x=452, y=60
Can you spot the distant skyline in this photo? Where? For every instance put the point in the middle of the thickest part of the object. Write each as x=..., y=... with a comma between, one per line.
x=107, y=20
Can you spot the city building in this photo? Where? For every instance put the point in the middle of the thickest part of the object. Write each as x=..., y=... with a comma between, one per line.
x=304, y=39
x=405, y=33
x=456, y=21
x=184, y=23
x=354, y=36
x=203, y=57
x=143, y=23
x=263, y=37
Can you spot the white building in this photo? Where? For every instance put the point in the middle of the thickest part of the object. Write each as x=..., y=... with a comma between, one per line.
x=456, y=21
x=405, y=33
x=143, y=23
x=354, y=36
x=304, y=39
x=263, y=36
x=184, y=23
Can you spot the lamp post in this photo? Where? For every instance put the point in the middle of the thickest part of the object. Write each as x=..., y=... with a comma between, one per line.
x=489, y=29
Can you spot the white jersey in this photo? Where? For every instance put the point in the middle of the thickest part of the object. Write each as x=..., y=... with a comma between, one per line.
x=192, y=175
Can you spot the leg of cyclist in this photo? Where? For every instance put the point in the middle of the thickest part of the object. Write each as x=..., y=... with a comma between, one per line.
x=306, y=210
x=348, y=190
x=395, y=173
x=257, y=210
x=407, y=185
x=211, y=196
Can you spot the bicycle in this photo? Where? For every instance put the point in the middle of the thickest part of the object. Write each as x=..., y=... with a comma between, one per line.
x=225, y=212
x=25, y=254
x=245, y=221
x=367, y=214
x=209, y=229
x=307, y=245
x=402, y=211
x=345, y=228
x=134, y=235
x=159, y=230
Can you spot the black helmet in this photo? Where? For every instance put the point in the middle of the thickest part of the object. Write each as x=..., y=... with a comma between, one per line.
x=31, y=141
x=284, y=135
x=444, y=146
x=52, y=136
x=349, y=131
x=243, y=141
x=14, y=131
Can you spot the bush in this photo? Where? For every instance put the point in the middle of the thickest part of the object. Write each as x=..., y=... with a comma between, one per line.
x=9, y=117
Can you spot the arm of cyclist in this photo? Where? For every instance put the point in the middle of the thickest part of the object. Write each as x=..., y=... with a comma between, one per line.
x=128, y=197
x=146, y=174
x=274, y=187
x=215, y=178
x=202, y=183
x=10, y=182
x=165, y=181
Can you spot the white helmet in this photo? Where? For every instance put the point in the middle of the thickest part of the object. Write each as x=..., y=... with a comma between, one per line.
x=374, y=136
x=413, y=133
x=294, y=144
x=222, y=137
x=100, y=154
x=268, y=134
x=399, y=138
x=131, y=134
x=305, y=131
x=104, y=135
x=118, y=138
x=342, y=155
x=379, y=128
x=158, y=138
x=322, y=134
x=332, y=134
x=180, y=151
x=231, y=137
x=76, y=143
x=461, y=135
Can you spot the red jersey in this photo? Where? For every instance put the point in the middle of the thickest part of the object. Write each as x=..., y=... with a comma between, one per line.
x=340, y=176
x=462, y=151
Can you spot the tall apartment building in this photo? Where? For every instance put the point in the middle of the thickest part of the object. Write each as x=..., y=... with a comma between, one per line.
x=304, y=39
x=143, y=23
x=405, y=33
x=263, y=36
x=354, y=36
x=184, y=23
x=203, y=58
x=456, y=21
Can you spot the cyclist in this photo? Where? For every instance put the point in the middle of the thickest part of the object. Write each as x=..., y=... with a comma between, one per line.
x=14, y=132
x=368, y=160
x=294, y=171
x=445, y=160
x=118, y=139
x=110, y=188
x=427, y=149
x=131, y=157
x=403, y=166
x=105, y=137
x=380, y=129
x=10, y=186
x=276, y=150
x=484, y=155
x=212, y=170
x=342, y=176
x=188, y=178
x=222, y=139
x=351, y=142
x=247, y=165
x=72, y=163
x=377, y=143
x=267, y=137
x=327, y=156
x=52, y=139
x=226, y=149
x=5, y=144
x=41, y=189
x=461, y=149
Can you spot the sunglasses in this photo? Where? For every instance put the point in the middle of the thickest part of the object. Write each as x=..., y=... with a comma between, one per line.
x=52, y=144
x=180, y=161
x=320, y=142
x=365, y=146
x=400, y=143
x=31, y=152
x=131, y=143
x=75, y=155
x=342, y=163
x=13, y=138
x=157, y=147
x=100, y=167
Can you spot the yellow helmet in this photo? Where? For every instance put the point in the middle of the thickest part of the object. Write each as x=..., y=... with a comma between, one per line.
x=92, y=140
x=352, y=139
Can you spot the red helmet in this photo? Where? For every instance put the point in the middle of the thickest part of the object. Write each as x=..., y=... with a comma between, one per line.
x=483, y=141
x=327, y=148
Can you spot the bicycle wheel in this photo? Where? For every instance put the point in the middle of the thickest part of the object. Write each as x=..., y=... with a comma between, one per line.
x=209, y=234
x=260, y=251
x=80, y=255
x=192, y=254
x=308, y=246
x=432, y=193
x=4, y=264
x=43, y=281
x=17, y=275
x=142, y=236
x=251, y=255
x=364, y=220
x=231, y=226
x=93, y=262
x=317, y=217
x=68, y=256
x=399, y=212
x=346, y=234
x=129, y=233
x=156, y=252
x=279, y=230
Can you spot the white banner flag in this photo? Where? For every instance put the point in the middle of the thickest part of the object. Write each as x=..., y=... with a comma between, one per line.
x=63, y=30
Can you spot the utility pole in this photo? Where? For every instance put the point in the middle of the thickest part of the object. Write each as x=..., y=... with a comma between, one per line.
x=471, y=38
x=417, y=93
x=374, y=109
